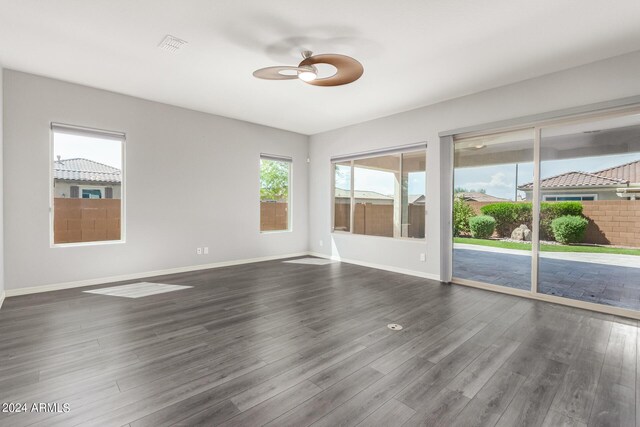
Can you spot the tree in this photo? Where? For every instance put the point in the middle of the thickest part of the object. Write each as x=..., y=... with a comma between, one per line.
x=274, y=180
x=464, y=190
x=462, y=212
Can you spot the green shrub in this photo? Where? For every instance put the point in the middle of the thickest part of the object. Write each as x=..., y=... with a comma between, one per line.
x=508, y=216
x=569, y=228
x=482, y=226
x=462, y=211
x=552, y=210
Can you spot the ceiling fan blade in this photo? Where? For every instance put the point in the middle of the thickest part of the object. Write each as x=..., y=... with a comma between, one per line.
x=348, y=69
x=275, y=73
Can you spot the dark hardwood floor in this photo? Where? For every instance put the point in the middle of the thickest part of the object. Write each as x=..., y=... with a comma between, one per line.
x=297, y=345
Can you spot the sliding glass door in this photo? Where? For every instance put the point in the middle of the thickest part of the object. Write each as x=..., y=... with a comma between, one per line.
x=492, y=221
x=552, y=210
x=590, y=211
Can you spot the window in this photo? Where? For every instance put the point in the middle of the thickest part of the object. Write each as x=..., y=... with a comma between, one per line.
x=557, y=216
x=569, y=198
x=414, y=181
x=494, y=170
x=87, y=185
x=342, y=196
x=92, y=193
x=275, y=178
x=602, y=152
x=376, y=183
x=381, y=195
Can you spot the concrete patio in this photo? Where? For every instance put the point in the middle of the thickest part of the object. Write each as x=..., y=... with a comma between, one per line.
x=601, y=278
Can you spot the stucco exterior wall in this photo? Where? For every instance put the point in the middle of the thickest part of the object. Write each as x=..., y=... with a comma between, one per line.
x=63, y=189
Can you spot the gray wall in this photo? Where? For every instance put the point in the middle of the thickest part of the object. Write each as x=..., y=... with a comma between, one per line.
x=600, y=81
x=182, y=169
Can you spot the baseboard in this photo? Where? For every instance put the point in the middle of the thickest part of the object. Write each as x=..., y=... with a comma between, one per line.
x=379, y=266
x=134, y=276
x=2, y=296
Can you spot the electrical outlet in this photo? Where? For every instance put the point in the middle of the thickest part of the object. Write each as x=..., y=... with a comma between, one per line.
x=199, y=251
x=206, y=250
x=423, y=257
x=321, y=243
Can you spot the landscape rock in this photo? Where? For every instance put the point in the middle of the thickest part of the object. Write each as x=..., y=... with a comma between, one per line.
x=521, y=233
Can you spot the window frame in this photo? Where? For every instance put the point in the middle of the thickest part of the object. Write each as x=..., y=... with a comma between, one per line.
x=90, y=188
x=95, y=133
x=539, y=122
x=556, y=196
x=422, y=146
x=289, y=161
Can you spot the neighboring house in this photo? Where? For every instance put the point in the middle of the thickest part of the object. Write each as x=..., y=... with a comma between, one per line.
x=85, y=179
x=617, y=183
x=479, y=197
x=342, y=196
x=417, y=199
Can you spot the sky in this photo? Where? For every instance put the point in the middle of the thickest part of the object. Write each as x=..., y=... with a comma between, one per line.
x=106, y=151
x=499, y=180
x=378, y=181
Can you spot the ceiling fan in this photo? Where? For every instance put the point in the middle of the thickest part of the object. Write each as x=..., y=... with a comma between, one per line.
x=348, y=70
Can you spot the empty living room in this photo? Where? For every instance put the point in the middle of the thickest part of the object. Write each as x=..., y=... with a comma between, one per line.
x=354, y=213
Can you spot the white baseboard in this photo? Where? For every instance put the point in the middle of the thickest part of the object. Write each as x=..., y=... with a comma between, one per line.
x=379, y=266
x=2, y=296
x=134, y=276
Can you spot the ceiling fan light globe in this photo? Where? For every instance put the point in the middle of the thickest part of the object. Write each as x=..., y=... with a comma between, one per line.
x=307, y=76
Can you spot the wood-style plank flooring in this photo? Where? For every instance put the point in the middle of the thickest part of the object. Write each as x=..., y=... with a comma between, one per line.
x=296, y=345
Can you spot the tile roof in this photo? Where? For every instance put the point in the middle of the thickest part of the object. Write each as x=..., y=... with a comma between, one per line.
x=628, y=172
x=85, y=170
x=416, y=199
x=577, y=179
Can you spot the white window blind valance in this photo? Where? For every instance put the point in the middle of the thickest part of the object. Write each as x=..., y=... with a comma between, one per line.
x=276, y=158
x=82, y=131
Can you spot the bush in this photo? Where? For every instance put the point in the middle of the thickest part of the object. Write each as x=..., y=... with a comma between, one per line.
x=482, y=226
x=552, y=210
x=508, y=216
x=569, y=228
x=462, y=211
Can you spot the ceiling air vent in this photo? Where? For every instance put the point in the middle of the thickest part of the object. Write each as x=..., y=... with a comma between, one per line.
x=171, y=43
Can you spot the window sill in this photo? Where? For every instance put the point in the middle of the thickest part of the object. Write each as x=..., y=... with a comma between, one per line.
x=84, y=244
x=276, y=231
x=400, y=239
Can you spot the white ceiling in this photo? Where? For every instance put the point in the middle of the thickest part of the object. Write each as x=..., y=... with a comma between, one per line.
x=415, y=52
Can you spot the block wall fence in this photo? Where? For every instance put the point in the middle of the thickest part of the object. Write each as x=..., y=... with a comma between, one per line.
x=611, y=222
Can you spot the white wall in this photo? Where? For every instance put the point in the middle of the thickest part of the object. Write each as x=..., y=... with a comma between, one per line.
x=201, y=159
x=1, y=188
x=183, y=170
x=601, y=81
